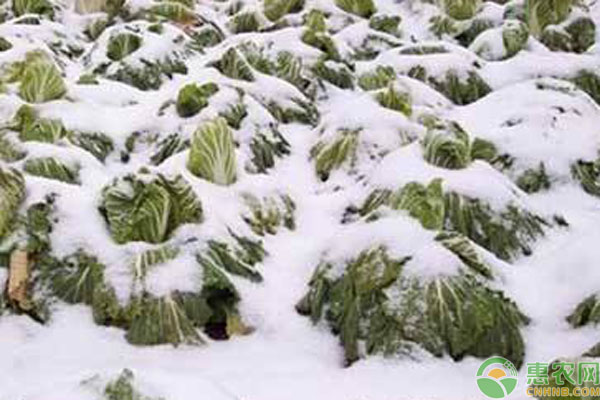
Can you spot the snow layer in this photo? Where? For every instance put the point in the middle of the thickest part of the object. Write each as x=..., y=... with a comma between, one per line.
x=287, y=357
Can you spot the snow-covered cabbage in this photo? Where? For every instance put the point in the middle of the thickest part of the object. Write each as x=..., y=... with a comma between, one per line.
x=96, y=143
x=233, y=65
x=577, y=36
x=193, y=98
x=395, y=100
x=90, y=6
x=507, y=233
x=275, y=9
x=534, y=180
x=461, y=9
x=122, y=388
x=421, y=126
x=329, y=156
x=266, y=216
x=335, y=73
x=461, y=90
x=245, y=22
x=51, y=168
x=541, y=13
x=212, y=153
x=175, y=317
x=21, y=7
x=173, y=10
x=149, y=211
x=78, y=278
x=11, y=196
x=122, y=45
x=386, y=23
x=589, y=82
x=168, y=146
x=450, y=147
x=588, y=175
x=266, y=146
x=362, y=8
x=9, y=150
x=380, y=78
x=237, y=259
x=41, y=80
x=33, y=128
x=372, y=303
x=165, y=320
x=316, y=35
x=514, y=36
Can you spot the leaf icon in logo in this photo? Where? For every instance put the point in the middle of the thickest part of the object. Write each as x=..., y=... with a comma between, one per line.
x=509, y=383
x=497, y=389
x=491, y=388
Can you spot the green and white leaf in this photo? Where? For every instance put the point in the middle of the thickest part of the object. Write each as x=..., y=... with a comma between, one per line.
x=9, y=150
x=329, y=157
x=145, y=260
x=96, y=143
x=362, y=8
x=76, y=278
x=52, y=168
x=158, y=320
x=275, y=9
x=233, y=65
x=460, y=9
x=212, y=153
x=378, y=79
x=187, y=207
x=11, y=196
x=395, y=100
x=21, y=7
x=424, y=203
x=267, y=215
x=41, y=82
x=222, y=257
x=450, y=150
x=122, y=45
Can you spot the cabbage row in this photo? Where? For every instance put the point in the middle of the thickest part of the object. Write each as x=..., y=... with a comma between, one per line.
x=148, y=153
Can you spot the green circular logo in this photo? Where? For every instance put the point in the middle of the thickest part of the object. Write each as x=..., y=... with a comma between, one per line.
x=497, y=377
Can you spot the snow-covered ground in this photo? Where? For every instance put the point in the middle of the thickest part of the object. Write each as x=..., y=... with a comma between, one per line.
x=286, y=356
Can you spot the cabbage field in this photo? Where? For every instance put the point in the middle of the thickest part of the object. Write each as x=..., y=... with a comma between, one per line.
x=295, y=199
